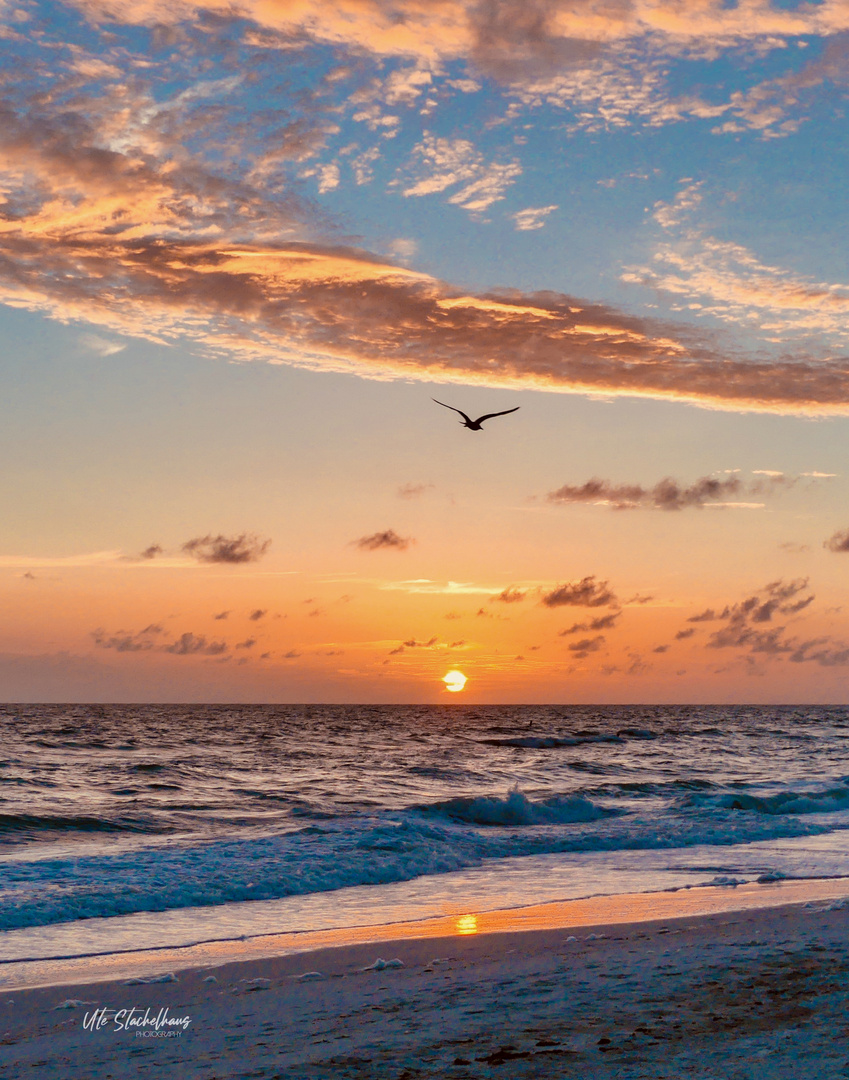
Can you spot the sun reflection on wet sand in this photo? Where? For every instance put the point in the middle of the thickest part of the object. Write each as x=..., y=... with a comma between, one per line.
x=602, y=911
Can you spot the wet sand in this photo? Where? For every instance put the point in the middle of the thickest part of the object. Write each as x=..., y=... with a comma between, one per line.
x=753, y=994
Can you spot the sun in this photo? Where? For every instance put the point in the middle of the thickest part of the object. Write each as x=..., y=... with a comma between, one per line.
x=454, y=681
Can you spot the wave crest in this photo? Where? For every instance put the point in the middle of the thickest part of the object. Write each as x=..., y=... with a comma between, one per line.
x=783, y=802
x=517, y=810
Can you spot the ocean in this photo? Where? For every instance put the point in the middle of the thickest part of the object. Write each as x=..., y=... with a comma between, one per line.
x=132, y=826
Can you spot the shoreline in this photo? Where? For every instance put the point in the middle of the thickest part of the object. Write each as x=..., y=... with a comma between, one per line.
x=620, y=910
x=756, y=993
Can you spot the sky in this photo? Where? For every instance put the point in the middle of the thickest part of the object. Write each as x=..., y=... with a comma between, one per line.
x=245, y=245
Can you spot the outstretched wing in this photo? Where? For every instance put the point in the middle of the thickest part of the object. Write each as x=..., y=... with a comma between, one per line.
x=451, y=407
x=490, y=415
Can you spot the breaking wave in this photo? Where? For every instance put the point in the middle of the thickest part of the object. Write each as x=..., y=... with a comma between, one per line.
x=517, y=810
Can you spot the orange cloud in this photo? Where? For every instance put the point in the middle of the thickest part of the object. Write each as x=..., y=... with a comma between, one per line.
x=340, y=309
x=125, y=229
x=344, y=309
x=507, y=40
x=510, y=595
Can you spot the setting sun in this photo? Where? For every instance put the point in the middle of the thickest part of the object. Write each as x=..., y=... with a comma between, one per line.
x=454, y=681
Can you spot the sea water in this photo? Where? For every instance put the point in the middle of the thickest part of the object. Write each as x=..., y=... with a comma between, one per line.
x=133, y=826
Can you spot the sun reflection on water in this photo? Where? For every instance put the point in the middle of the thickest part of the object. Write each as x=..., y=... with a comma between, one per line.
x=467, y=924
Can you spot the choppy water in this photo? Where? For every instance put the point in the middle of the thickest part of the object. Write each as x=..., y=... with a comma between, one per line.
x=112, y=811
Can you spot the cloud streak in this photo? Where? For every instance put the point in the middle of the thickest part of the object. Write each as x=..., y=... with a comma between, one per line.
x=343, y=310
x=603, y=622
x=586, y=646
x=339, y=309
x=725, y=280
x=667, y=494
x=188, y=644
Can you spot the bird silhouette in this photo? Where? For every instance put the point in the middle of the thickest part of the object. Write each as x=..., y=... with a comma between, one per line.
x=475, y=425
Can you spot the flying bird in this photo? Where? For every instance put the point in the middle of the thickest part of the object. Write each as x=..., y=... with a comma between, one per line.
x=475, y=425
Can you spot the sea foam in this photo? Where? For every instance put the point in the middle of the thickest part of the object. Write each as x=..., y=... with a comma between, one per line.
x=360, y=850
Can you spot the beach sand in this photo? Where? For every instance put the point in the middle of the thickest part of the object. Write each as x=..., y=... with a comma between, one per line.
x=757, y=993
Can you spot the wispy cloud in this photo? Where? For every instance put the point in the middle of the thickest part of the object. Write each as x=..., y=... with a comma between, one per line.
x=725, y=280
x=603, y=622
x=532, y=217
x=244, y=548
x=100, y=345
x=95, y=558
x=627, y=85
x=776, y=107
x=413, y=491
x=669, y=494
x=838, y=542
x=386, y=539
x=438, y=164
x=149, y=639
x=189, y=644
x=708, y=615
x=122, y=641
x=584, y=593
x=510, y=595
x=750, y=625
x=586, y=646
x=426, y=586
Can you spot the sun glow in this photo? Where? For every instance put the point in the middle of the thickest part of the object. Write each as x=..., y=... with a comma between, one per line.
x=454, y=681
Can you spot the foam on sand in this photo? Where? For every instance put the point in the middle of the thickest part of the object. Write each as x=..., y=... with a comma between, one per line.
x=147, y=966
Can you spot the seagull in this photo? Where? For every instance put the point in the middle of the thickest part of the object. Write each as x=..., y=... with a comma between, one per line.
x=475, y=425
